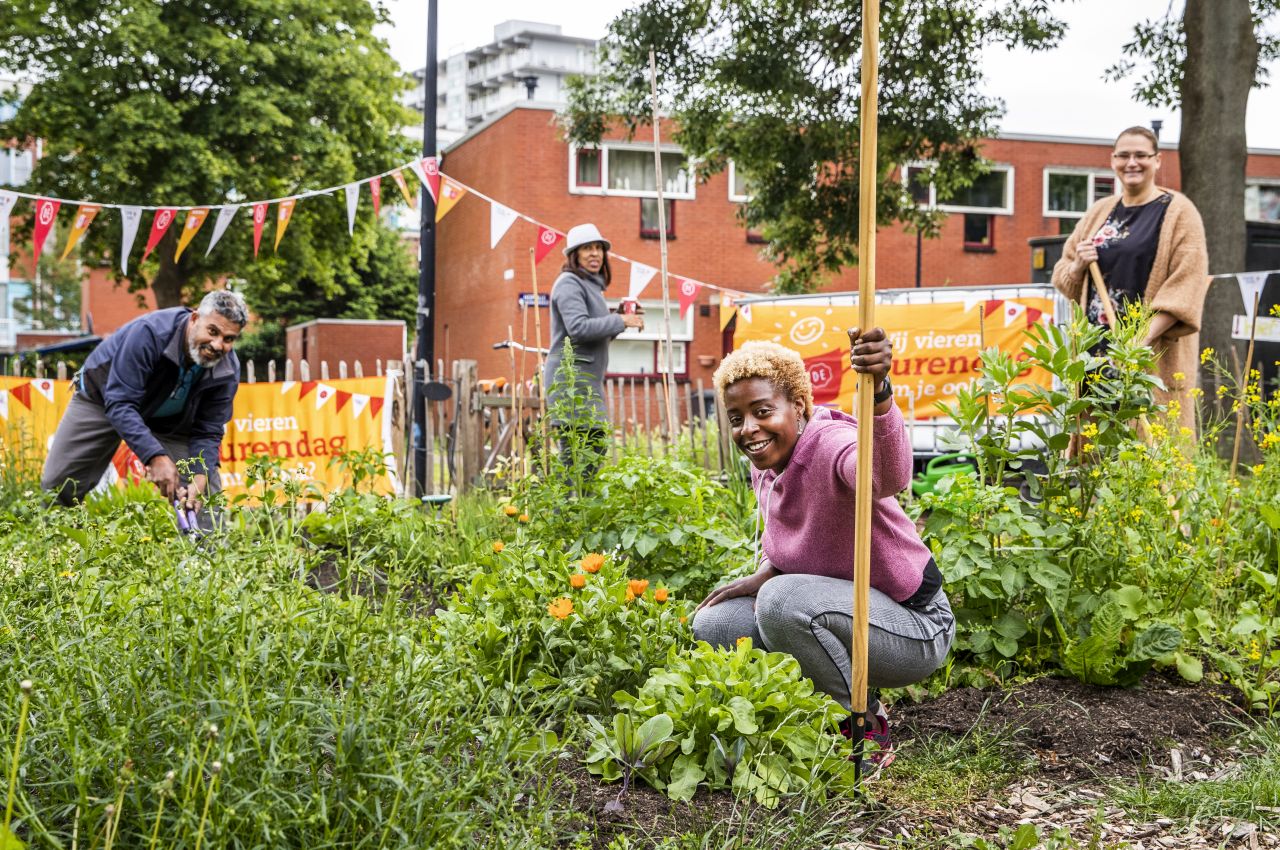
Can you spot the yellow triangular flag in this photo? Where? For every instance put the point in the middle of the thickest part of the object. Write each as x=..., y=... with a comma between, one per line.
x=398, y=176
x=283, y=212
x=450, y=194
x=190, y=228
x=728, y=310
x=84, y=218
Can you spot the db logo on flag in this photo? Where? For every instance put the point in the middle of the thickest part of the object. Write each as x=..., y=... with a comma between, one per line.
x=820, y=374
x=162, y=220
x=46, y=212
x=260, y=214
x=548, y=237
x=431, y=166
x=688, y=289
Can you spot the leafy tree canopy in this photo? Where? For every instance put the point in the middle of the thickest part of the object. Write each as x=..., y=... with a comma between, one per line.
x=188, y=102
x=774, y=85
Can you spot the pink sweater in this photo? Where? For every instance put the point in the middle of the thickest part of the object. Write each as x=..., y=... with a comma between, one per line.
x=808, y=508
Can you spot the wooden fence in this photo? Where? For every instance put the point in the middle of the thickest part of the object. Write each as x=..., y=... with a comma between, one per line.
x=485, y=426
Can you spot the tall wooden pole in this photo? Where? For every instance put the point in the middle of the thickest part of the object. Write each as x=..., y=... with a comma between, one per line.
x=867, y=179
x=669, y=398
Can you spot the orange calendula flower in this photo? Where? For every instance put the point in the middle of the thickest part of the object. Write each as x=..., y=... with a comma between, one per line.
x=660, y=595
x=561, y=608
x=577, y=581
x=683, y=619
x=522, y=518
x=592, y=563
x=631, y=597
x=498, y=546
x=638, y=586
x=511, y=510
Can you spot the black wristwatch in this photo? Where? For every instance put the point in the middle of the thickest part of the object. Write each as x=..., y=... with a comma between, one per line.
x=884, y=393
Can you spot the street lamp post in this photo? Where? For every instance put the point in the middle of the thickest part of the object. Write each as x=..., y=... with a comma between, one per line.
x=424, y=353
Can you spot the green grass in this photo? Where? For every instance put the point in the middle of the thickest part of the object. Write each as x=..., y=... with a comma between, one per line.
x=949, y=773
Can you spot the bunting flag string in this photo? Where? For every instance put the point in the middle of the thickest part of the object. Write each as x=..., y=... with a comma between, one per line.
x=428, y=171
x=450, y=194
x=259, y=219
x=640, y=277
x=159, y=226
x=353, y=200
x=398, y=176
x=375, y=189
x=130, y=217
x=46, y=214
x=225, y=214
x=547, y=240
x=1251, y=284
x=500, y=220
x=284, y=212
x=688, y=290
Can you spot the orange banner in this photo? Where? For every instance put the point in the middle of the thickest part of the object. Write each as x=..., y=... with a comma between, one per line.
x=935, y=346
x=303, y=425
x=398, y=176
x=284, y=211
x=450, y=194
x=84, y=218
x=190, y=227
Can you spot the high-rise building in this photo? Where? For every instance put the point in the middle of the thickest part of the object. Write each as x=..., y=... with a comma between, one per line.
x=525, y=61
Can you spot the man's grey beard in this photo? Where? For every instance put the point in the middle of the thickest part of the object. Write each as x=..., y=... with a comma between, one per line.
x=201, y=358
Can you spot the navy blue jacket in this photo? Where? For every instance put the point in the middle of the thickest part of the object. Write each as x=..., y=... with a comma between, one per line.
x=136, y=368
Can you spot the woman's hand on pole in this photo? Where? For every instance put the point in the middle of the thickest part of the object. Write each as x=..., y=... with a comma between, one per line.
x=1086, y=253
x=872, y=353
x=745, y=586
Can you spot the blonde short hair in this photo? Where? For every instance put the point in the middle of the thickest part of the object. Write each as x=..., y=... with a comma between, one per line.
x=777, y=364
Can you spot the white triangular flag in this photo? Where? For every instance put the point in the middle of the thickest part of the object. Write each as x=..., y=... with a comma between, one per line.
x=4, y=404
x=500, y=220
x=129, y=218
x=286, y=386
x=1251, y=284
x=640, y=277
x=225, y=214
x=973, y=299
x=1012, y=311
x=324, y=392
x=7, y=200
x=44, y=386
x=744, y=310
x=353, y=200
x=359, y=401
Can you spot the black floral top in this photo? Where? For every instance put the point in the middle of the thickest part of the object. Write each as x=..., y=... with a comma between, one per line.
x=1126, y=245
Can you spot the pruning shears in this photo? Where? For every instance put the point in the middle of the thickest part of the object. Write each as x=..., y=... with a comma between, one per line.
x=188, y=520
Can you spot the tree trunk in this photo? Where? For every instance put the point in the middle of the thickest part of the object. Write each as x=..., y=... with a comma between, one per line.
x=1219, y=71
x=169, y=281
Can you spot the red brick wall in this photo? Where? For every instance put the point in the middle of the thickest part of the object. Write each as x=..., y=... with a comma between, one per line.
x=339, y=340
x=109, y=304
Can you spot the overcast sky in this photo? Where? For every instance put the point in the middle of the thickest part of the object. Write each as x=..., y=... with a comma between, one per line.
x=1058, y=93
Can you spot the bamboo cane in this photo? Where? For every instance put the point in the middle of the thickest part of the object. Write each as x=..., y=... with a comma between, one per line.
x=1144, y=430
x=516, y=435
x=867, y=172
x=539, y=394
x=1244, y=386
x=669, y=404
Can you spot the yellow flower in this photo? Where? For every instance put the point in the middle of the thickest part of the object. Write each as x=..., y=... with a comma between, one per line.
x=683, y=619
x=510, y=510
x=1206, y=355
x=577, y=581
x=638, y=586
x=1196, y=392
x=1179, y=376
x=1090, y=430
x=522, y=518
x=744, y=639
x=592, y=563
x=660, y=595
x=1270, y=440
x=631, y=597
x=498, y=546
x=561, y=608
x=1257, y=470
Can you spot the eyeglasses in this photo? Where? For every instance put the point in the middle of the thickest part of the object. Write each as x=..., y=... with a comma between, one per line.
x=1140, y=156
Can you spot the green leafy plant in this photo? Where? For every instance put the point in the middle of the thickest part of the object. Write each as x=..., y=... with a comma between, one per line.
x=740, y=718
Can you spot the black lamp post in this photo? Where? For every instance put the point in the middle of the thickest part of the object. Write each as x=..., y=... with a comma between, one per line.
x=425, y=350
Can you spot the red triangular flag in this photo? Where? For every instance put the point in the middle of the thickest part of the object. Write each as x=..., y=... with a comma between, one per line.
x=375, y=404
x=431, y=168
x=688, y=294
x=259, y=219
x=547, y=239
x=307, y=387
x=22, y=392
x=991, y=306
x=46, y=212
x=375, y=189
x=343, y=398
x=159, y=224
x=1033, y=316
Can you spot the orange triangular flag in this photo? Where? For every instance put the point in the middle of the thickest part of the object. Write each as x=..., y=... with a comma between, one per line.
x=190, y=228
x=22, y=393
x=284, y=211
x=343, y=398
x=398, y=176
x=84, y=218
x=307, y=387
x=450, y=194
x=375, y=404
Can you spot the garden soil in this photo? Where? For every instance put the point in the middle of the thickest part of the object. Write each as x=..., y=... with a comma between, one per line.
x=1075, y=740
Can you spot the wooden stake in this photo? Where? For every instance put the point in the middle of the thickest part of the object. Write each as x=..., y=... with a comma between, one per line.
x=867, y=179
x=1244, y=386
x=518, y=433
x=669, y=401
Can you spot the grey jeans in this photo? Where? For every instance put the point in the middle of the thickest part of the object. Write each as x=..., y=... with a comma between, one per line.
x=83, y=446
x=811, y=618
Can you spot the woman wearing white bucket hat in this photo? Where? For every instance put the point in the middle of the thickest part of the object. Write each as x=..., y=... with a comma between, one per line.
x=580, y=315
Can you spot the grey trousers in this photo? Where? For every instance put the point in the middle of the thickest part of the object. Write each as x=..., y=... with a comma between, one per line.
x=811, y=618
x=83, y=446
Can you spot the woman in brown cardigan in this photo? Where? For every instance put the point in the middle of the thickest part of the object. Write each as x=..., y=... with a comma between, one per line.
x=1149, y=245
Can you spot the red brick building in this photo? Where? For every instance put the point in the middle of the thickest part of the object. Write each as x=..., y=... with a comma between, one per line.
x=1039, y=186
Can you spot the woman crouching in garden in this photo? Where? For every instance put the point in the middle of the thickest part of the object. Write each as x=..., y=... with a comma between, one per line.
x=800, y=599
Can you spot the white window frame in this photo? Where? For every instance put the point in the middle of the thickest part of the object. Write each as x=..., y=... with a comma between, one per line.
x=933, y=204
x=603, y=188
x=681, y=329
x=733, y=178
x=1073, y=171
x=1259, y=181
